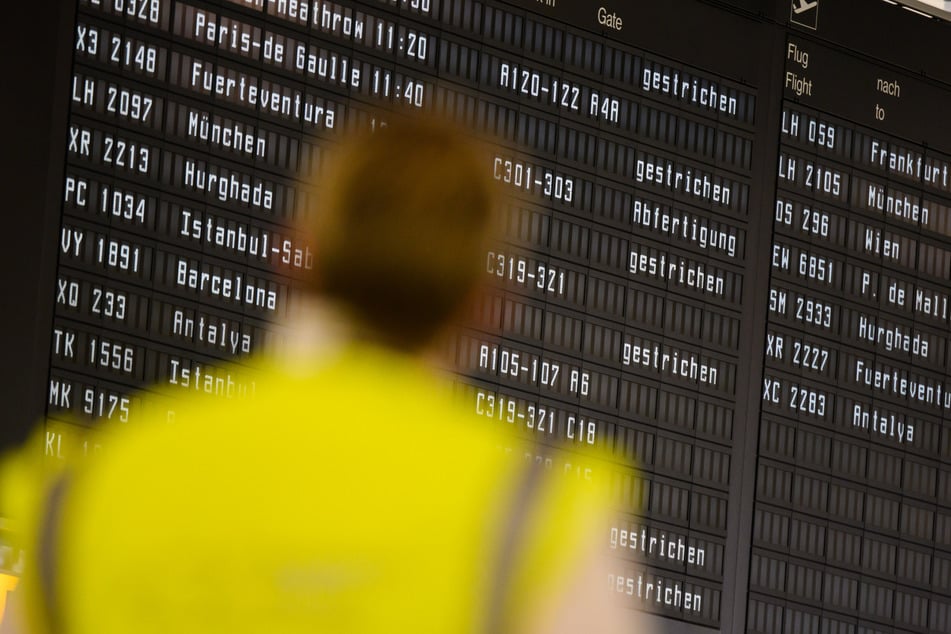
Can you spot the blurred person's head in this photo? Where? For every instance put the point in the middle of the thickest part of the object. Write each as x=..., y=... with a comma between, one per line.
x=402, y=222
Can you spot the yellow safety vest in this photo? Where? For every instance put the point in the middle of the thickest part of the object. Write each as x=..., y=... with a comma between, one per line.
x=350, y=495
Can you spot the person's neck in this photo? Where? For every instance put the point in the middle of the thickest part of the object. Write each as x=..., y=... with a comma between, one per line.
x=317, y=328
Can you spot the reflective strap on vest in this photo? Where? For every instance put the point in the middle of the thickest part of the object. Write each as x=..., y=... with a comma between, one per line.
x=512, y=534
x=47, y=554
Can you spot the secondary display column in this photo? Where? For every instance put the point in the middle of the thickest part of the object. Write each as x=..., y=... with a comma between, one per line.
x=851, y=524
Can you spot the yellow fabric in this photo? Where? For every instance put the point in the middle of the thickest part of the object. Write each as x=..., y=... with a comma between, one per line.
x=348, y=496
x=8, y=583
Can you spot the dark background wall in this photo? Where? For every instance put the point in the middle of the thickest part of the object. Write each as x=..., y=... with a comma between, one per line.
x=33, y=110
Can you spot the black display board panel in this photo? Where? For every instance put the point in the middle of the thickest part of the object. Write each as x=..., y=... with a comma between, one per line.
x=660, y=293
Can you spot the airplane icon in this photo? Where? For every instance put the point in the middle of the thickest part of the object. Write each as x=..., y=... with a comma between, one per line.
x=805, y=13
x=805, y=5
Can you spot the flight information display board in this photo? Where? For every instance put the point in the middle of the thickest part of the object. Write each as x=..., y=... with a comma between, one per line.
x=726, y=259
x=852, y=520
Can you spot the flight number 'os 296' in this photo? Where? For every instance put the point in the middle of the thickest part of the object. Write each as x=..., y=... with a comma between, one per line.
x=809, y=221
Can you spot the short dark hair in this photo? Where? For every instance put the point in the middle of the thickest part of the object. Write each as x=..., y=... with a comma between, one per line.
x=402, y=224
